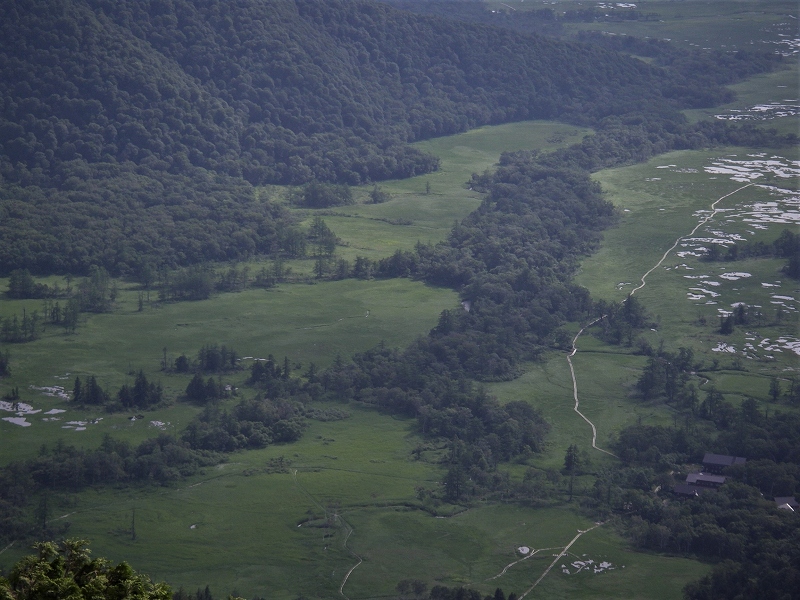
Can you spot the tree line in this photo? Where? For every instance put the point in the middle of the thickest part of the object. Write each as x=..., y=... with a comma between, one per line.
x=786, y=245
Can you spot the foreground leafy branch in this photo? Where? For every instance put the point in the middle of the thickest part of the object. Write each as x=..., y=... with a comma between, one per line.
x=65, y=570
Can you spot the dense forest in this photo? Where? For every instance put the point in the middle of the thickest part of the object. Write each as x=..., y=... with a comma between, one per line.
x=131, y=134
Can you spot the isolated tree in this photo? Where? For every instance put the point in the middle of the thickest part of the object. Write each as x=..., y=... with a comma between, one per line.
x=287, y=368
x=97, y=292
x=572, y=459
x=363, y=267
x=454, y=483
x=5, y=362
x=77, y=391
x=322, y=236
x=378, y=196
x=21, y=284
x=196, y=390
x=182, y=364
x=774, y=389
x=726, y=325
x=320, y=267
x=70, y=317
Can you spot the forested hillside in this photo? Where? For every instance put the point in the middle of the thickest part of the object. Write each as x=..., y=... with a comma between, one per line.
x=282, y=91
x=131, y=133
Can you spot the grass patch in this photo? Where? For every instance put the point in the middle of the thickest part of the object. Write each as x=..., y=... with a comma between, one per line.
x=635, y=574
x=250, y=518
x=716, y=24
x=776, y=87
x=414, y=215
x=307, y=323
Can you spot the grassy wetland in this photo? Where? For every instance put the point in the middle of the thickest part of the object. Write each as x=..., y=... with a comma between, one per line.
x=351, y=489
x=346, y=510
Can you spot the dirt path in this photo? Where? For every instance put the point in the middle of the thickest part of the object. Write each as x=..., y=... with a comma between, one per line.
x=702, y=222
x=524, y=558
x=353, y=568
x=349, y=527
x=575, y=389
x=557, y=558
x=692, y=232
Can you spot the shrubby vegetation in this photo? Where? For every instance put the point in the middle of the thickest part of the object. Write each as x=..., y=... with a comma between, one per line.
x=787, y=245
x=66, y=469
x=254, y=423
x=618, y=323
x=322, y=195
x=65, y=570
x=142, y=394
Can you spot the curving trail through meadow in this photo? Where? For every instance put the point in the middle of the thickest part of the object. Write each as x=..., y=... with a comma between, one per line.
x=530, y=554
x=702, y=222
x=353, y=568
x=563, y=551
x=575, y=389
x=705, y=220
x=347, y=537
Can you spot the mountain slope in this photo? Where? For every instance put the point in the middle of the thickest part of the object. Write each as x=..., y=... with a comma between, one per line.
x=134, y=124
x=282, y=92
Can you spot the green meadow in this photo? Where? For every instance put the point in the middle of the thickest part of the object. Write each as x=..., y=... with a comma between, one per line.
x=775, y=87
x=658, y=205
x=348, y=496
x=307, y=323
x=352, y=488
x=731, y=24
x=424, y=209
x=352, y=493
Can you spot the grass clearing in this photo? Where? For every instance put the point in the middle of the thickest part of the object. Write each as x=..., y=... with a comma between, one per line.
x=679, y=292
x=307, y=323
x=779, y=87
x=714, y=24
x=635, y=574
x=414, y=215
x=250, y=518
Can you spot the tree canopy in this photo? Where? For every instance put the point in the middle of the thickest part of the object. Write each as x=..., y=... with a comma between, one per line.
x=66, y=570
x=131, y=134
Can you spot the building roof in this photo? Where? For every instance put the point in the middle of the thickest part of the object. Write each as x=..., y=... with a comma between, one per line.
x=705, y=478
x=685, y=489
x=788, y=501
x=722, y=460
